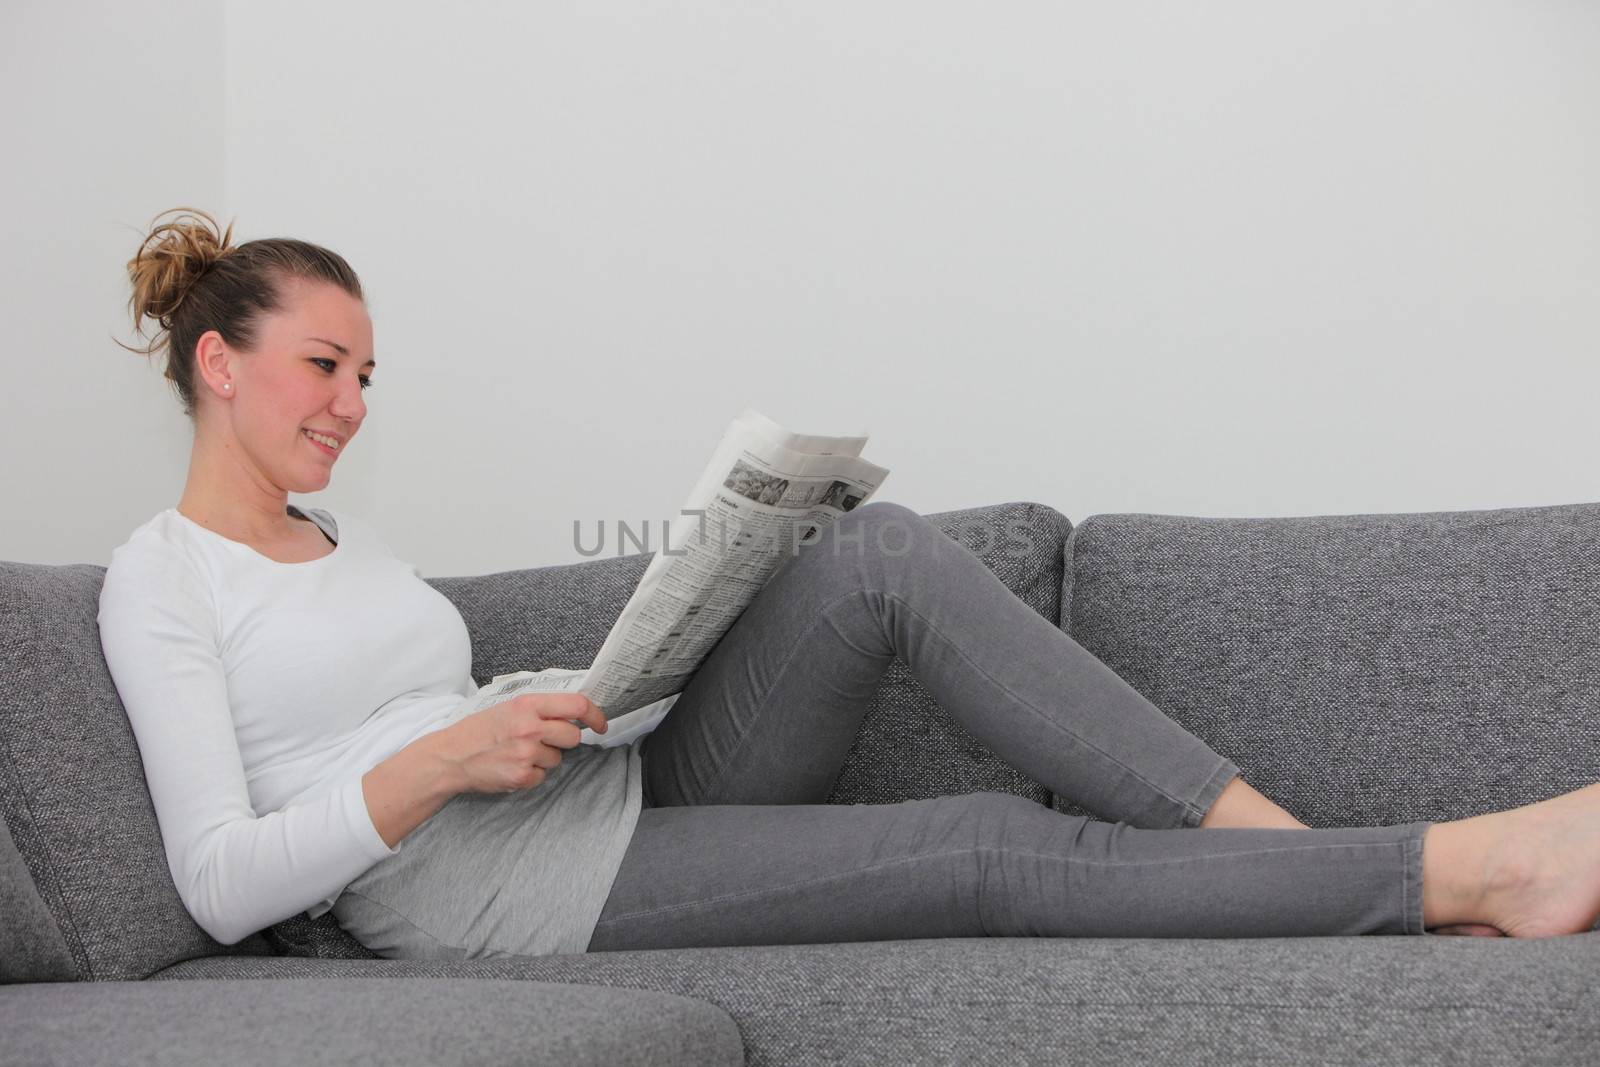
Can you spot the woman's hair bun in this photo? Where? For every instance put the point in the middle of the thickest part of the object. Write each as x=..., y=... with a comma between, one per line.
x=173, y=257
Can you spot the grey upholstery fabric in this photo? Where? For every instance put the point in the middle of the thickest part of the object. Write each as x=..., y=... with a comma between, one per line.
x=1361, y=669
x=31, y=947
x=72, y=787
x=1338, y=1000
x=319, y=938
x=423, y=1023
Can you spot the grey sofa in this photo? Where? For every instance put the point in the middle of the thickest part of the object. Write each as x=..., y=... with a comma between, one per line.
x=1362, y=669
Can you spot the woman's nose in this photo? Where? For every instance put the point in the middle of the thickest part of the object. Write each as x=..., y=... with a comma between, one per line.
x=350, y=404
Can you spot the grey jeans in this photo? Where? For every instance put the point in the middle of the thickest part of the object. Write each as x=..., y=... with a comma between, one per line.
x=736, y=844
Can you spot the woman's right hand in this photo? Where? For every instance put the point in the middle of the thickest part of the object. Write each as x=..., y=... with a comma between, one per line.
x=512, y=745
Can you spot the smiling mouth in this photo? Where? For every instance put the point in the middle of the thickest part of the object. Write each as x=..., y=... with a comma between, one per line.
x=315, y=443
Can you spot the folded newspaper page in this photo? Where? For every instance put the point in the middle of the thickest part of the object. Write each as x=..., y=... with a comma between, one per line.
x=765, y=492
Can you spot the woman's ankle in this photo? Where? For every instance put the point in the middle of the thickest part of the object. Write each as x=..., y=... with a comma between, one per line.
x=1452, y=866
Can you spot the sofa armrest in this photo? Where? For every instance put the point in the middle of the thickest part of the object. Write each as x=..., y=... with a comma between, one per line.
x=418, y=1021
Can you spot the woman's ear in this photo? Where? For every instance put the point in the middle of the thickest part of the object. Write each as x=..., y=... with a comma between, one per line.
x=214, y=364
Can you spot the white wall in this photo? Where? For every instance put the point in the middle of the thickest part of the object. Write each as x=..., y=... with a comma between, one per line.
x=1240, y=258
x=112, y=112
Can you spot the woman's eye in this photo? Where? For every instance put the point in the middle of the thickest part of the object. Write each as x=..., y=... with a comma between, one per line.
x=366, y=382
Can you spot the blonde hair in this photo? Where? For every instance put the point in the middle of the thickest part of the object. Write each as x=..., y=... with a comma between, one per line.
x=188, y=279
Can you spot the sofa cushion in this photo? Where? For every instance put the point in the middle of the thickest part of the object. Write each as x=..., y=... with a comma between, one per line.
x=319, y=938
x=1354, y=1000
x=1361, y=669
x=72, y=786
x=31, y=946
x=362, y=1020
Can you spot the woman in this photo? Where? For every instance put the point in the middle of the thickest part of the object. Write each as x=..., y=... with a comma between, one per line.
x=290, y=683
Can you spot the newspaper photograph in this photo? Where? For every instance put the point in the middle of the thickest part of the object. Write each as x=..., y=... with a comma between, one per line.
x=764, y=493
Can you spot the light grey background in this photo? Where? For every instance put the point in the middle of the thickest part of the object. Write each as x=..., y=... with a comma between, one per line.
x=1235, y=258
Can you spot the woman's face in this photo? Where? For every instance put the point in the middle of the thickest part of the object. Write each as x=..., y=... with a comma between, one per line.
x=298, y=382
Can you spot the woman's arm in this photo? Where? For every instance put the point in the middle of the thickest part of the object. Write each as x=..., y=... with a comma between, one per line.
x=406, y=789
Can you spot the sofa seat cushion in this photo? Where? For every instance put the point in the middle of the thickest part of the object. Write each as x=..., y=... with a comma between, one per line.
x=1362, y=670
x=365, y=1020
x=1092, y=1000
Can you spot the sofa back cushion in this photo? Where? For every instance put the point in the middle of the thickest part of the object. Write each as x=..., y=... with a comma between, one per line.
x=1361, y=669
x=72, y=787
x=31, y=946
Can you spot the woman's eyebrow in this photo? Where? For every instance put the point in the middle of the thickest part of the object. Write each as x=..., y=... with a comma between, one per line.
x=343, y=351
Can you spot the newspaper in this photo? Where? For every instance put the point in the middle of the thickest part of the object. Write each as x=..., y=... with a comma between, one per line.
x=765, y=492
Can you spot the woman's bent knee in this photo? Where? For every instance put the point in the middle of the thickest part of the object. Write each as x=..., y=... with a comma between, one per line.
x=879, y=530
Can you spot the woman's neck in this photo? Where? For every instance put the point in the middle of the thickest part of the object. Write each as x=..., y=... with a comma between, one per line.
x=234, y=505
x=236, y=525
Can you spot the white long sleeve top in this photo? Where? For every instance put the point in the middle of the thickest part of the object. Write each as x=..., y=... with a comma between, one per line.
x=260, y=692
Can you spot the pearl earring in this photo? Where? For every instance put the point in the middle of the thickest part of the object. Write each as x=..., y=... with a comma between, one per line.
x=227, y=385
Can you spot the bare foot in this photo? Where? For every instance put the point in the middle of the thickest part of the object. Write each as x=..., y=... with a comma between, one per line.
x=1540, y=871
x=1240, y=804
